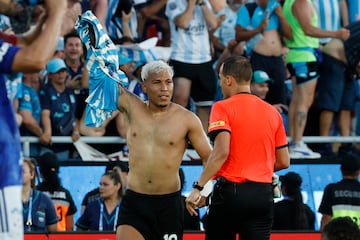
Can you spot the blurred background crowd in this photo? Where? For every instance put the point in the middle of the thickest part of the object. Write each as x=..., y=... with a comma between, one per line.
x=194, y=36
x=194, y=39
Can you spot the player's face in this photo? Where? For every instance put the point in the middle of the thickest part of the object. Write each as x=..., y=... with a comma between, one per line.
x=159, y=88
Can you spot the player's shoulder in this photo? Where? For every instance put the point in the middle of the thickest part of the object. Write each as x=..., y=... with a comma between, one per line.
x=183, y=114
x=180, y=110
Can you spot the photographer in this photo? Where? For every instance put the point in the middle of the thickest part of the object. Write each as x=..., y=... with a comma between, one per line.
x=37, y=48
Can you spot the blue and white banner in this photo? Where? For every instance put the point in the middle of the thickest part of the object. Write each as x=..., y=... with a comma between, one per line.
x=145, y=51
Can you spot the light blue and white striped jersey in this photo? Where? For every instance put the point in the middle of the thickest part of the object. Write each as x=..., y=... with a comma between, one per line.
x=190, y=45
x=226, y=31
x=354, y=10
x=329, y=17
x=102, y=62
x=114, y=24
x=137, y=55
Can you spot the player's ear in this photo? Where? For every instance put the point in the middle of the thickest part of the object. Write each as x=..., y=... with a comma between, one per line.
x=143, y=87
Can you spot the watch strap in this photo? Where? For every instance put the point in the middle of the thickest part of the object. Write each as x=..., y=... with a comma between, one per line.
x=197, y=186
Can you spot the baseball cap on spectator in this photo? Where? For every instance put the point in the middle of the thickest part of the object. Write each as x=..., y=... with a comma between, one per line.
x=261, y=77
x=124, y=59
x=350, y=163
x=55, y=65
x=291, y=180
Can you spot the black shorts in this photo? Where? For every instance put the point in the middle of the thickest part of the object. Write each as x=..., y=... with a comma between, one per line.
x=203, y=80
x=304, y=71
x=274, y=66
x=154, y=216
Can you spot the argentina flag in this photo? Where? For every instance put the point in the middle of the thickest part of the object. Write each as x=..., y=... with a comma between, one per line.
x=103, y=65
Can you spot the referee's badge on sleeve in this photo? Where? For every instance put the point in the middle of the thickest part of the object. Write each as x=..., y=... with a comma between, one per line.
x=217, y=124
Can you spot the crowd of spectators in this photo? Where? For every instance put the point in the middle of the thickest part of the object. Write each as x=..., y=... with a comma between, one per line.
x=199, y=35
x=199, y=38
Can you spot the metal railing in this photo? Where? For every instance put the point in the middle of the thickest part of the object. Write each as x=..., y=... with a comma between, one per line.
x=59, y=139
x=110, y=140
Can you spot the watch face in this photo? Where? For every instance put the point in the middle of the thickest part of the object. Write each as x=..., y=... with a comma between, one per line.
x=197, y=186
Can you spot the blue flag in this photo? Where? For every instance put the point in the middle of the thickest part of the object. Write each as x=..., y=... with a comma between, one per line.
x=11, y=225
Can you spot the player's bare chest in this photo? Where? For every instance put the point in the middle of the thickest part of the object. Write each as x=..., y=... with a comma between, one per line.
x=160, y=131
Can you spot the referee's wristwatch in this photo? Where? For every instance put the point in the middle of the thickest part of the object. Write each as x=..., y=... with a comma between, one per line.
x=197, y=186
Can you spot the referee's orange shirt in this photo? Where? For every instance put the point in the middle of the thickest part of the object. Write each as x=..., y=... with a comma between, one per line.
x=256, y=129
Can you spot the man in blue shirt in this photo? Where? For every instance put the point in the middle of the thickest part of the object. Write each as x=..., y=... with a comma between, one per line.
x=58, y=105
x=30, y=110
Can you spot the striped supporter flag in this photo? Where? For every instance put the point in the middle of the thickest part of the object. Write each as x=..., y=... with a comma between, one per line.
x=103, y=65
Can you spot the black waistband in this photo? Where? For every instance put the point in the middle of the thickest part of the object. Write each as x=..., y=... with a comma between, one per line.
x=224, y=181
x=221, y=179
x=152, y=196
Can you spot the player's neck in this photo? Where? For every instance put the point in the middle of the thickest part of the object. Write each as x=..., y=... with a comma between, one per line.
x=157, y=109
